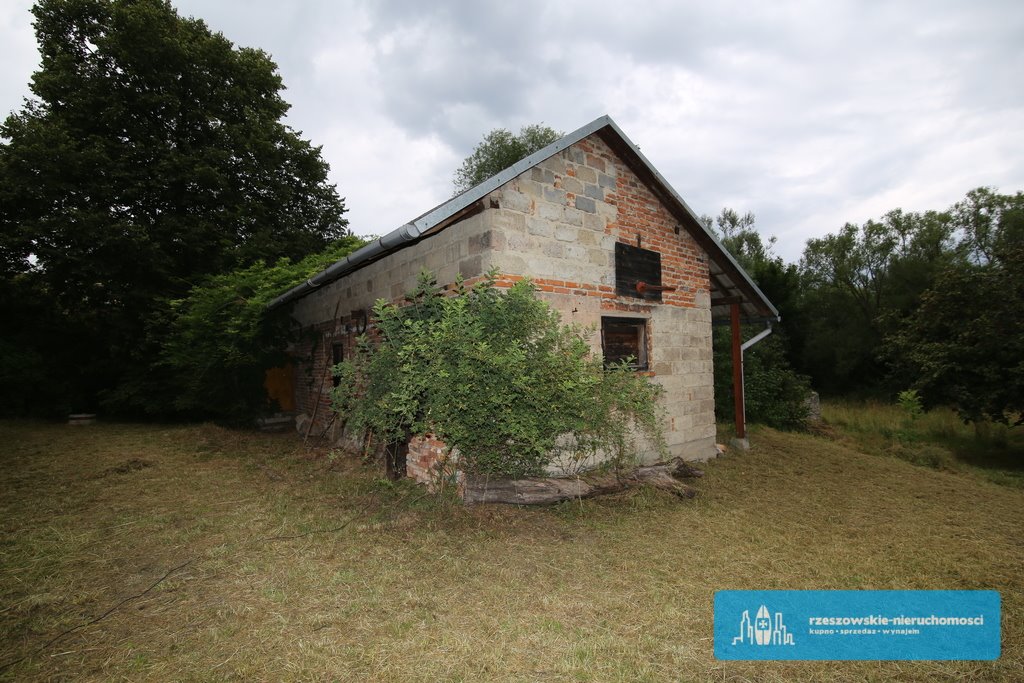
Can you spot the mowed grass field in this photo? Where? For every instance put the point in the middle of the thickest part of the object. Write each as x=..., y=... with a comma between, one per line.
x=280, y=563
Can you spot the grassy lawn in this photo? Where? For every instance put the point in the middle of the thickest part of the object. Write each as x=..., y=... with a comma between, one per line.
x=292, y=565
x=937, y=439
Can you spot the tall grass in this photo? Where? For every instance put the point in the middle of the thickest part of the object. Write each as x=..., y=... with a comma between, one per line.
x=937, y=439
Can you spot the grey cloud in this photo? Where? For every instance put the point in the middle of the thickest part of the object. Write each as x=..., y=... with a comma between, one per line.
x=789, y=110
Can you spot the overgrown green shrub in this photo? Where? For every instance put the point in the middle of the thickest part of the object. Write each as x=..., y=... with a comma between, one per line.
x=910, y=402
x=775, y=394
x=221, y=338
x=496, y=375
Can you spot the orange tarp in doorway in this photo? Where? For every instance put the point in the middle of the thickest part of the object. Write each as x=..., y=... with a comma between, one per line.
x=278, y=383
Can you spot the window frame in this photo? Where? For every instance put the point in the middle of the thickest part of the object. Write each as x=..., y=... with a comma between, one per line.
x=641, y=360
x=337, y=356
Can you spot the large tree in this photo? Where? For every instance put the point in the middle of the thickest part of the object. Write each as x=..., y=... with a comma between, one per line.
x=500, y=149
x=964, y=345
x=221, y=338
x=858, y=282
x=152, y=153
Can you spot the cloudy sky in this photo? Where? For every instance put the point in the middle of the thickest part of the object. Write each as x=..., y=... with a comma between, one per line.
x=809, y=114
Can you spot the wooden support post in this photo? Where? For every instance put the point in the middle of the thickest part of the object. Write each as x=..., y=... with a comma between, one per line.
x=737, y=373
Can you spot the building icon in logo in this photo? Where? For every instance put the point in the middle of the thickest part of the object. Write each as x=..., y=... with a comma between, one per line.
x=761, y=631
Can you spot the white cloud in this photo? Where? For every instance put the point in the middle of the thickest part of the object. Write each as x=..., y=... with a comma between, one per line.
x=808, y=114
x=21, y=57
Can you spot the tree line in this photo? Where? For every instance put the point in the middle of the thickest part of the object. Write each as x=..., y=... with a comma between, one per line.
x=930, y=301
x=152, y=200
x=151, y=157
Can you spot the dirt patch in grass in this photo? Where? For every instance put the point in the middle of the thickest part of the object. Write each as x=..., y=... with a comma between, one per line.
x=133, y=465
x=303, y=567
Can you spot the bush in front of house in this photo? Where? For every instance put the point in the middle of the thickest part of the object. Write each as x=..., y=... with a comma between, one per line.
x=496, y=375
x=775, y=394
x=218, y=342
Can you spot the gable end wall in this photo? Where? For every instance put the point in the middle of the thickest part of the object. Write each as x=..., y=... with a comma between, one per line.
x=557, y=223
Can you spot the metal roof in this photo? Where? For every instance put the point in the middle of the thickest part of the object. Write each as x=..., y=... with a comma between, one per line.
x=729, y=282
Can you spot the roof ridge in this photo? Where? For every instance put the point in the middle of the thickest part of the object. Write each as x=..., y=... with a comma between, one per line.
x=418, y=227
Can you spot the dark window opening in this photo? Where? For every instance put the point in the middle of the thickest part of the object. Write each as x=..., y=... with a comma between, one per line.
x=624, y=339
x=634, y=265
x=337, y=355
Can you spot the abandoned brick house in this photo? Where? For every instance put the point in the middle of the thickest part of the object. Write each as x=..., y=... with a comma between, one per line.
x=607, y=241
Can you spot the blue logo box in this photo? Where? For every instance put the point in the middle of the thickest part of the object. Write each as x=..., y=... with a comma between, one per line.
x=849, y=625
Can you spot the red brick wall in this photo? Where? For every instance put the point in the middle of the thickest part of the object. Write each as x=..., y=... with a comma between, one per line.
x=684, y=264
x=423, y=463
x=313, y=355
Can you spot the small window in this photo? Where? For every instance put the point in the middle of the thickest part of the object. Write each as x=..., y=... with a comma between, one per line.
x=337, y=355
x=624, y=338
x=634, y=265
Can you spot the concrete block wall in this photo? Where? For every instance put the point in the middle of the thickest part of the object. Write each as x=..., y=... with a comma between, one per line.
x=459, y=248
x=558, y=224
x=326, y=314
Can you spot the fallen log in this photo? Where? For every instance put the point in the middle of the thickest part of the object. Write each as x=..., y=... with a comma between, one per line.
x=548, y=490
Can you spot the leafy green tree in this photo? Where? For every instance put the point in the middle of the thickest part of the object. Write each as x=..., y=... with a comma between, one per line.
x=861, y=313
x=221, y=339
x=500, y=149
x=858, y=283
x=152, y=154
x=964, y=345
x=991, y=223
x=483, y=369
x=775, y=394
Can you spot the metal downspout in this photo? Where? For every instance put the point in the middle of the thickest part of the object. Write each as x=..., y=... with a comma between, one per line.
x=743, y=375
